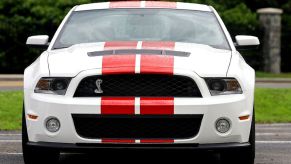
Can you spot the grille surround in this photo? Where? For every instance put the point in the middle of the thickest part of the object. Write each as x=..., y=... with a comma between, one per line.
x=94, y=126
x=139, y=85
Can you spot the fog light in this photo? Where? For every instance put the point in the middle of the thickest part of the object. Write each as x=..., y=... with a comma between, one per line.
x=222, y=125
x=53, y=124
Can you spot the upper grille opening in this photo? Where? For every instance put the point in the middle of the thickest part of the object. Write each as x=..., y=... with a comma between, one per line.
x=139, y=51
x=138, y=85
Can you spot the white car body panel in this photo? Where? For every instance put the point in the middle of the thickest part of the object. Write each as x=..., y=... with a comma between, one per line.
x=204, y=61
x=39, y=68
x=211, y=107
x=197, y=62
x=37, y=40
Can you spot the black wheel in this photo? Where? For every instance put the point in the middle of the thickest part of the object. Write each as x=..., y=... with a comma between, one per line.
x=34, y=155
x=243, y=156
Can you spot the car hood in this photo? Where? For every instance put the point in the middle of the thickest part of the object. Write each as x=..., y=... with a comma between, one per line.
x=203, y=60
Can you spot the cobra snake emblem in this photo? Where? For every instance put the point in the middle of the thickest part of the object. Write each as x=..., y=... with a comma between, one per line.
x=98, y=85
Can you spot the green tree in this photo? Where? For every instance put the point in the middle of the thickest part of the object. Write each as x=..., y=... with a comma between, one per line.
x=22, y=18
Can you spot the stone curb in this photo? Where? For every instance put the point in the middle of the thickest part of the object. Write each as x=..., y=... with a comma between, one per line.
x=11, y=77
x=273, y=80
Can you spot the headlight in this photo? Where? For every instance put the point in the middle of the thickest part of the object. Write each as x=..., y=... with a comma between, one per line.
x=223, y=86
x=50, y=85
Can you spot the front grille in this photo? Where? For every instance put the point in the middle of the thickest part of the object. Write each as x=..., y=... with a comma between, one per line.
x=137, y=126
x=138, y=86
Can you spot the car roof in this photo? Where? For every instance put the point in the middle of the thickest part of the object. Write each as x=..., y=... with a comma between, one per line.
x=143, y=4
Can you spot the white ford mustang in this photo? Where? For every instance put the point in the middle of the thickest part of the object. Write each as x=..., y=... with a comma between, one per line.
x=139, y=75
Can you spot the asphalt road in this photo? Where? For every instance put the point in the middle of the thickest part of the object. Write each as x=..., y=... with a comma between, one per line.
x=6, y=85
x=273, y=146
x=272, y=85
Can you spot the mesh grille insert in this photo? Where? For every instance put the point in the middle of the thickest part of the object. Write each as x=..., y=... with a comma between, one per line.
x=139, y=85
x=137, y=126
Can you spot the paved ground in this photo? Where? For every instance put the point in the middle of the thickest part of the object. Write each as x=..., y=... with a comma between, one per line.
x=273, y=85
x=273, y=147
x=8, y=85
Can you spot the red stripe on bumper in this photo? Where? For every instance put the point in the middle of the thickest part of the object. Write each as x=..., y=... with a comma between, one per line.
x=160, y=4
x=157, y=141
x=117, y=105
x=125, y=4
x=157, y=106
x=119, y=64
x=157, y=64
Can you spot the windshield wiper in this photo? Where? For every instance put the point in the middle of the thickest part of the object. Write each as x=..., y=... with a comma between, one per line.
x=57, y=48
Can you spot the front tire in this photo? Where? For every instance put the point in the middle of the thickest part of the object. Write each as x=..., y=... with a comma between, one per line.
x=243, y=156
x=35, y=155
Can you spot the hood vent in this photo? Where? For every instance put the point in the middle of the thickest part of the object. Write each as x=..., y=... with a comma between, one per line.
x=139, y=51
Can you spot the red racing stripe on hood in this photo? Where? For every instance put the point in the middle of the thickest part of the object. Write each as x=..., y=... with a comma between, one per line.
x=158, y=45
x=120, y=45
x=157, y=64
x=119, y=64
x=160, y=4
x=125, y=4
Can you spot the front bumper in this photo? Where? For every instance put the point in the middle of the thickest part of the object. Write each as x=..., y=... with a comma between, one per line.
x=211, y=107
x=231, y=107
x=79, y=147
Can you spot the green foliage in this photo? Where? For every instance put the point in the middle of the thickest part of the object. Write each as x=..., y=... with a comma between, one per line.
x=272, y=75
x=22, y=18
x=286, y=37
x=273, y=105
x=10, y=110
x=240, y=19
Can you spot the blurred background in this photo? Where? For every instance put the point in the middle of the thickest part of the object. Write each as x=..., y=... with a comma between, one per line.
x=272, y=62
x=22, y=18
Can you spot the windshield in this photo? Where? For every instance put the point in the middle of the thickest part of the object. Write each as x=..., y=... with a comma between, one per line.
x=142, y=25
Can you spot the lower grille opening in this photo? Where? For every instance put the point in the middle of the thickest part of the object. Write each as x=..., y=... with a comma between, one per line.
x=137, y=126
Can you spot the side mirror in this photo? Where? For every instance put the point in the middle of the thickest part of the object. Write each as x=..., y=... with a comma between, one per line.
x=38, y=41
x=245, y=42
